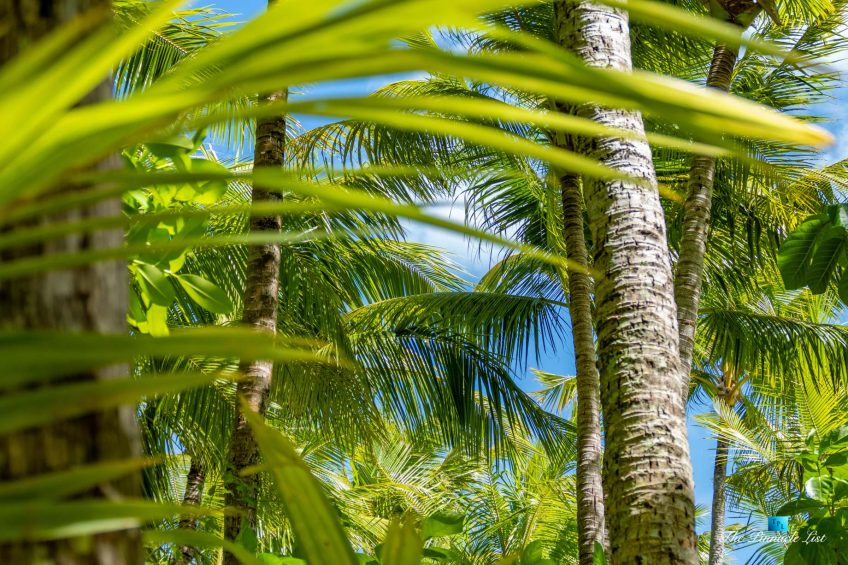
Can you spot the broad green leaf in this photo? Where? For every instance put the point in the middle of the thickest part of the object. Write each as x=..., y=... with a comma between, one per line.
x=206, y=293
x=836, y=460
x=532, y=555
x=157, y=321
x=819, y=488
x=317, y=530
x=442, y=524
x=843, y=287
x=797, y=251
x=803, y=504
x=835, y=440
x=157, y=287
x=402, y=545
x=840, y=490
x=171, y=146
x=839, y=215
x=598, y=555
x=441, y=554
x=829, y=250
x=247, y=537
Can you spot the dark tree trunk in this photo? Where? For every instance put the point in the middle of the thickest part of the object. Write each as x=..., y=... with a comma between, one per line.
x=87, y=299
x=192, y=496
x=696, y=222
x=260, y=312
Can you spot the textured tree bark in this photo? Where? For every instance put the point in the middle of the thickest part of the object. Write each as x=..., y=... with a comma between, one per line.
x=261, y=298
x=718, y=505
x=88, y=299
x=192, y=496
x=696, y=221
x=590, y=494
x=647, y=472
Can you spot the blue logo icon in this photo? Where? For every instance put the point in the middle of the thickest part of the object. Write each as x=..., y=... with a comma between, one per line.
x=778, y=524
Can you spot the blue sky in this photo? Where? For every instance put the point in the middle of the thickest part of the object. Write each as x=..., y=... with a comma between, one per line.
x=562, y=360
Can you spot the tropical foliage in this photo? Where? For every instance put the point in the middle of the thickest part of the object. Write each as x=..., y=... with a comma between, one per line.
x=218, y=354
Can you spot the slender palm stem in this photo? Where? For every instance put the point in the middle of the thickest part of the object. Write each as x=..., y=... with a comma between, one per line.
x=261, y=298
x=192, y=496
x=590, y=496
x=718, y=503
x=696, y=221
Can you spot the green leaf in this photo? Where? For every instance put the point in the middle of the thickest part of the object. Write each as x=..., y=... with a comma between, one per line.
x=836, y=460
x=39, y=520
x=819, y=488
x=171, y=147
x=205, y=293
x=441, y=555
x=838, y=214
x=65, y=483
x=317, y=530
x=829, y=250
x=797, y=251
x=799, y=506
x=270, y=559
x=33, y=356
x=843, y=287
x=532, y=555
x=209, y=192
x=157, y=288
x=402, y=545
x=157, y=321
x=442, y=524
x=247, y=537
x=598, y=555
x=50, y=404
x=197, y=538
x=835, y=440
x=840, y=489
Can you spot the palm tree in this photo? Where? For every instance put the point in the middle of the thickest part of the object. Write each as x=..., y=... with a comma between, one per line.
x=812, y=23
x=771, y=435
x=269, y=52
x=646, y=457
x=261, y=297
x=786, y=328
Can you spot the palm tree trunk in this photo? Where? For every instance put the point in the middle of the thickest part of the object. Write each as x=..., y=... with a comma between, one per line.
x=696, y=221
x=92, y=298
x=261, y=298
x=718, y=509
x=192, y=496
x=590, y=494
x=648, y=482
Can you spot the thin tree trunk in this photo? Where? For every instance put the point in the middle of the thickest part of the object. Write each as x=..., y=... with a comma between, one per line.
x=87, y=299
x=590, y=494
x=261, y=299
x=718, y=509
x=648, y=482
x=192, y=496
x=696, y=221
